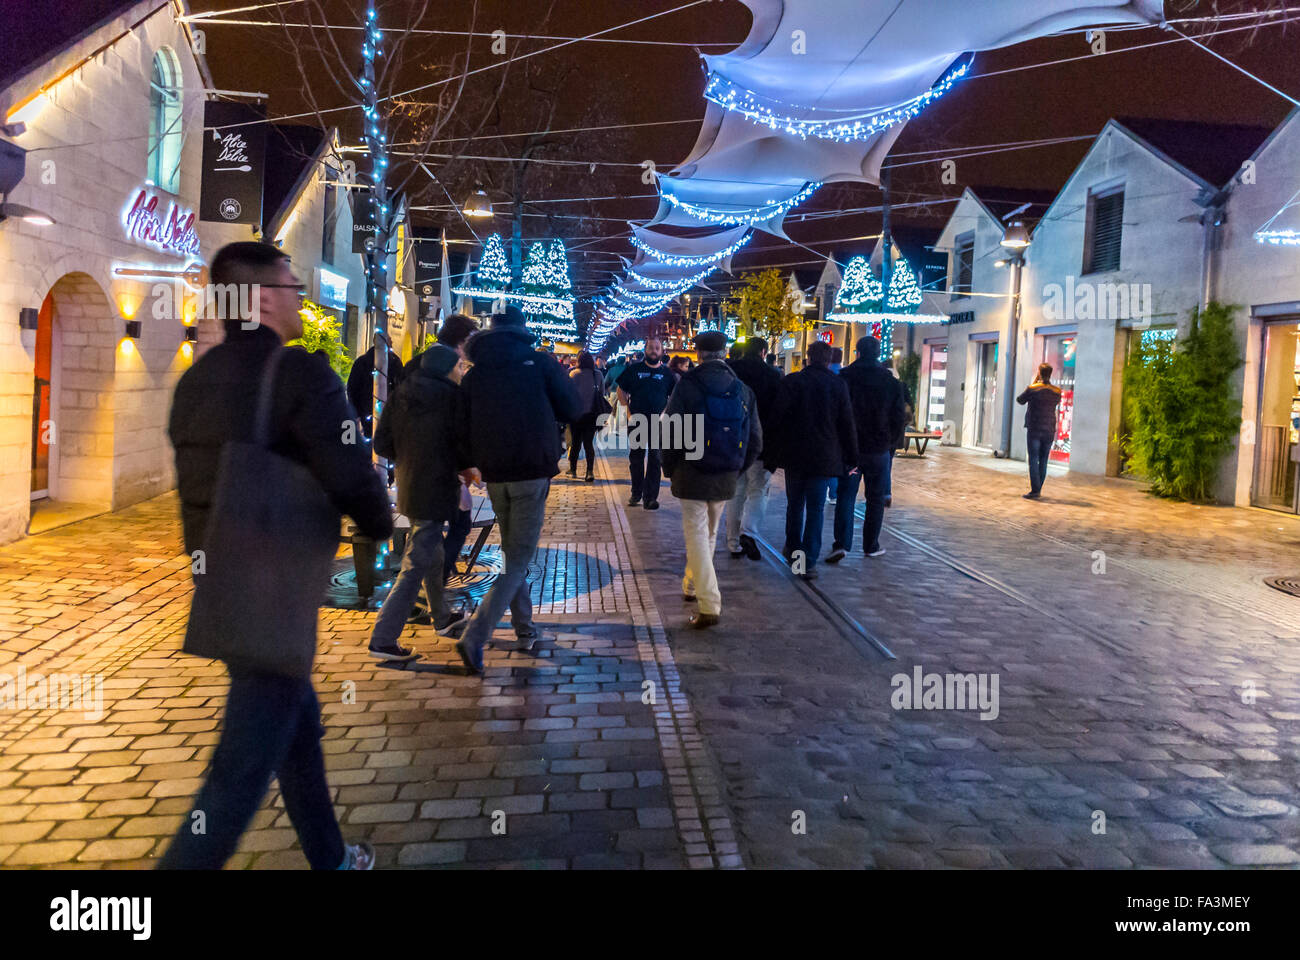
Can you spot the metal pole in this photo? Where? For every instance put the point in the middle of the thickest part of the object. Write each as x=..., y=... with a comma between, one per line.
x=1017, y=259
x=886, y=271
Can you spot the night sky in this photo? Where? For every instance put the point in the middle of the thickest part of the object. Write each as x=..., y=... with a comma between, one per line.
x=588, y=84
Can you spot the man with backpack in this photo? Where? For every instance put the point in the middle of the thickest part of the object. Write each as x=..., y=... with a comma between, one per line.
x=417, y=431
x=726, y=413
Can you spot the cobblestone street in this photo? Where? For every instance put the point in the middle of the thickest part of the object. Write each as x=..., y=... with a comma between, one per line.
x=1124, y=695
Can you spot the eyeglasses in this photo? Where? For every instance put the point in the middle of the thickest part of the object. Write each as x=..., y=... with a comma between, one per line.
x=302, y=294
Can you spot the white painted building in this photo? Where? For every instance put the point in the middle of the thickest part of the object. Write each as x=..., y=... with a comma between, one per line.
x=89, y=356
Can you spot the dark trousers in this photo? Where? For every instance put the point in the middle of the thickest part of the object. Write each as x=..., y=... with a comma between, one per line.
x=584, y=436
x=271, y=728
x=1040, y=451
x=457, y=533
x=645, y=474
x=874, y=472
x=805, y=512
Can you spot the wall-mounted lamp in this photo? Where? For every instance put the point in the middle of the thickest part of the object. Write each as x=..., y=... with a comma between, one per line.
x=28, y=318
x=191, y=335
x=26, y=214
x=133, y=329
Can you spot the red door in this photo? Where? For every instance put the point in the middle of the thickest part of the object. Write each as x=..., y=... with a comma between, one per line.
x=41, y=402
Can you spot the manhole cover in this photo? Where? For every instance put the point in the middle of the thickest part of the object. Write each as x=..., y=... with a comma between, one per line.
x=1289, y=585
x=342, y=591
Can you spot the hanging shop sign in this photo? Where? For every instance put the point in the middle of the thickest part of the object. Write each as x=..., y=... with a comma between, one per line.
x=788, y=343
x=234, y=159
x=826, y=336
x=173, y=233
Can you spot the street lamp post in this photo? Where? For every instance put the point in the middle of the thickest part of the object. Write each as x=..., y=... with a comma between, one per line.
x=1016, y=240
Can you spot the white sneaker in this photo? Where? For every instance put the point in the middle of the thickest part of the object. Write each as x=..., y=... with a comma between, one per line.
x=879, y=551
x=358, y=856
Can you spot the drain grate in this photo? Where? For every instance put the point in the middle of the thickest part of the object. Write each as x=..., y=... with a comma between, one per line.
x=1288, y=585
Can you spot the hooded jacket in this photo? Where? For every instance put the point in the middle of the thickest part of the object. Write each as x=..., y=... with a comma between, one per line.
x=688, y=482
x=813, y=430
x=417, y=429
x=879, y=406
x=215, y=401
x=508, y=405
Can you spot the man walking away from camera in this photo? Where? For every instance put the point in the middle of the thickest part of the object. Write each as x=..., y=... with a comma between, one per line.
x=417, y=430
x=746, y=510
x=272, y=723
x=879, y=414
x=1042, y=397
x=506, y=410
x=732, y=435
x=816, y=443
x=643, y=388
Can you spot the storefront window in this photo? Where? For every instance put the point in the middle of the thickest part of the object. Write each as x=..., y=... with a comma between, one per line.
x=1277, y=437
x=987, y=398
x=1059, y=351
x=937, y=386
x=165, y=102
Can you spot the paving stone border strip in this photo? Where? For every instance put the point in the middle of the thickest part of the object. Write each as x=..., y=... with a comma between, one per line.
x=703, y=819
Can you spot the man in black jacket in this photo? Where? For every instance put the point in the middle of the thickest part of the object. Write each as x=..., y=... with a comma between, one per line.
x=417, y=430
x=816, y=442
x=1042, y=397
x=702, y=491
x=644, y=388
x=879, y=413
x=361, y=385
x=746, y=510
x=506, y=410
x=272, y=723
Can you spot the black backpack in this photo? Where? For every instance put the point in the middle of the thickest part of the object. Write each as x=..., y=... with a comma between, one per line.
x=726, y=429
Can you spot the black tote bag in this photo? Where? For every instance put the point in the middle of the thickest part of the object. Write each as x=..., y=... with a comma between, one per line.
x=269, y=547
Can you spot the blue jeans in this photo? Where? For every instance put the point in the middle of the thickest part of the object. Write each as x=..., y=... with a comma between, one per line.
x=271, y=728
x=457, y=533
x=874, y=473
x=521, y=509
x=805, y=511
x=421, y=563
x=1039, y=446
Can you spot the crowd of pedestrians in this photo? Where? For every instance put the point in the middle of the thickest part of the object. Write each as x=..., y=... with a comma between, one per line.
x=483, y=408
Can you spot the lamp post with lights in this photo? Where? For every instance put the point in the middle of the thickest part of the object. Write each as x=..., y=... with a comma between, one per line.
x=1015, y=240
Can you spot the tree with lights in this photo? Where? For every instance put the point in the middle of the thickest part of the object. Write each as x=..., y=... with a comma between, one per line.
x=860, y=291
x=493, y=270
x=904, y=291
x=767, y=306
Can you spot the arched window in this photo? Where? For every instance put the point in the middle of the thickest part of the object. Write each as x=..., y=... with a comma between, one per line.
x=165, y=101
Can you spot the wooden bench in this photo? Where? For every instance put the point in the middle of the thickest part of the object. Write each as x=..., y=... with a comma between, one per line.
x=921, y=438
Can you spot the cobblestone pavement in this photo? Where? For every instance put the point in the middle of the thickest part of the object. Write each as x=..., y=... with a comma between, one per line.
x=558, y=745
x=1122, y=693
x=1125, y=680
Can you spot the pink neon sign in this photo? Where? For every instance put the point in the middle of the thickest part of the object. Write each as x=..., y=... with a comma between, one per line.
x=173, y=233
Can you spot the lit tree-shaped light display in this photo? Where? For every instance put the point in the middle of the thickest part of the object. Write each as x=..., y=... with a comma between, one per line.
x=534, y=278
x=860, y=291
x=549, y=292
x=558, y=264
x=493, y=270
x=904, y=291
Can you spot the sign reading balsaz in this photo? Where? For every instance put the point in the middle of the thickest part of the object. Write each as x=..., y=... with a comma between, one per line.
x=234, y=158
x=364, y=225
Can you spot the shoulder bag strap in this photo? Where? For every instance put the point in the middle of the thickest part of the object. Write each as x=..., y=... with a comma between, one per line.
x=265, y=392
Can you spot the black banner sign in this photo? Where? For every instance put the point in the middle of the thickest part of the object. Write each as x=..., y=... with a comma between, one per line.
x=234, y=160
x=364, y=225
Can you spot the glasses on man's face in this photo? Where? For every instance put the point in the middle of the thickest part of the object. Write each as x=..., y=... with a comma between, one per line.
x=302, y=294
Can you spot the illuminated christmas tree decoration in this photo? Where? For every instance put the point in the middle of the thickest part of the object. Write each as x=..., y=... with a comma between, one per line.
x=493, y=270
x=904, y=291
